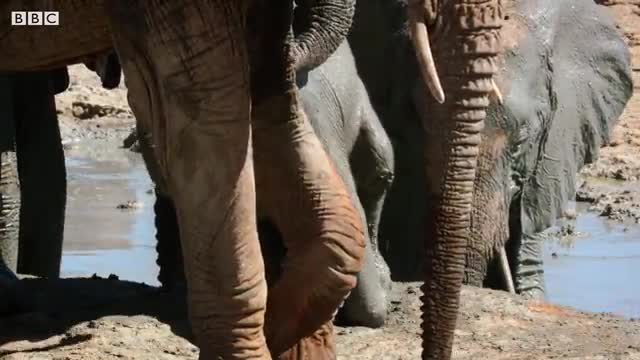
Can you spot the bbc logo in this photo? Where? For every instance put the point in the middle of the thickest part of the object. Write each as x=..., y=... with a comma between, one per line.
x=35, y=18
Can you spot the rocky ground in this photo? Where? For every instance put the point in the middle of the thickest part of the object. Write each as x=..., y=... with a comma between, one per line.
x=111, y=319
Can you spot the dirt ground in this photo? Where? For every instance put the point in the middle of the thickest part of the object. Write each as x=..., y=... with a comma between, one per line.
x=107, y=319
x=111, y=319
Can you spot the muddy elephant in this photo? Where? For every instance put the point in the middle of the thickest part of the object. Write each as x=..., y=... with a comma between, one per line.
x=33, y=186
x=338, y=109
x=202, y=84
x=564, y=79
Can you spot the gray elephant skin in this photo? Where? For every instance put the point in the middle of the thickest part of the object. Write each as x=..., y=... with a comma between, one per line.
x=565, y=78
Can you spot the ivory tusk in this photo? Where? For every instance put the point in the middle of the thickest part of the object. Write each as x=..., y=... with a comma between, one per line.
x=495, y=91
x=420, y=37
x=506, y=270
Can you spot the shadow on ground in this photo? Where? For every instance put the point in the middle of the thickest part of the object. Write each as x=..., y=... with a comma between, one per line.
x=51, y=307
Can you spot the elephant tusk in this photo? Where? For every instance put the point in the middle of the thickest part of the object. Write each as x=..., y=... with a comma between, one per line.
x=420, y=37
x=495, y=91
x=506, y=270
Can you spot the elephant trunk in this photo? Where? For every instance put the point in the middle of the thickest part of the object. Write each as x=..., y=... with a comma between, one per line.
x=320, y=27
x=466, y=44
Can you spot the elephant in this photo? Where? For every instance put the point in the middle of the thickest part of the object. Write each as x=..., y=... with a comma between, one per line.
x=195, y=64
x=339, y=111
x=204, y=76
x=33, y=186
x=363, y=147
x=563, y=79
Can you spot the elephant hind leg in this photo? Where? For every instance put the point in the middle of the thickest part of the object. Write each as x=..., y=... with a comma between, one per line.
x=186, y=65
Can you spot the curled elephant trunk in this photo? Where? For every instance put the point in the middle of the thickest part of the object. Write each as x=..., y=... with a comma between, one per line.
x=465, y=46
x=320, y=27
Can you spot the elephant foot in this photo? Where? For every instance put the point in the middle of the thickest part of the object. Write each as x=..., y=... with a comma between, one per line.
x=506, y=271
x=533, y=294
x=319, y=346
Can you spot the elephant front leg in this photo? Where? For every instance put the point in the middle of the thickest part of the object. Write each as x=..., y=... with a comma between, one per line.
x=41, y=167
x=321, y=229
x=186, y=68
x=529, y=269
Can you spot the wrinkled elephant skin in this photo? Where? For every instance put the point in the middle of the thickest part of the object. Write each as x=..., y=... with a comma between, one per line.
x=566, y=80
x=339, y=111
x=334, y=99
x=206, y=146
x=525, y=56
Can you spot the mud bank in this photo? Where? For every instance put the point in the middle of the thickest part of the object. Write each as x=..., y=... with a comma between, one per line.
x=86, y=111
x=111, y=319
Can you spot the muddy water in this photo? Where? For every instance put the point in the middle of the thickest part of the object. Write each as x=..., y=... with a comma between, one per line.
x=99, y=237
x=598, y=269
x=596, y=272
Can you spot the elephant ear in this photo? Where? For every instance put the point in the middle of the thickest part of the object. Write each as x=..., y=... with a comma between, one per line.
x=586, y=74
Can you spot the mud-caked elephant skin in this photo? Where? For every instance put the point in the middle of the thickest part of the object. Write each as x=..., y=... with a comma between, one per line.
x=564, y=78
x=338, y=109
